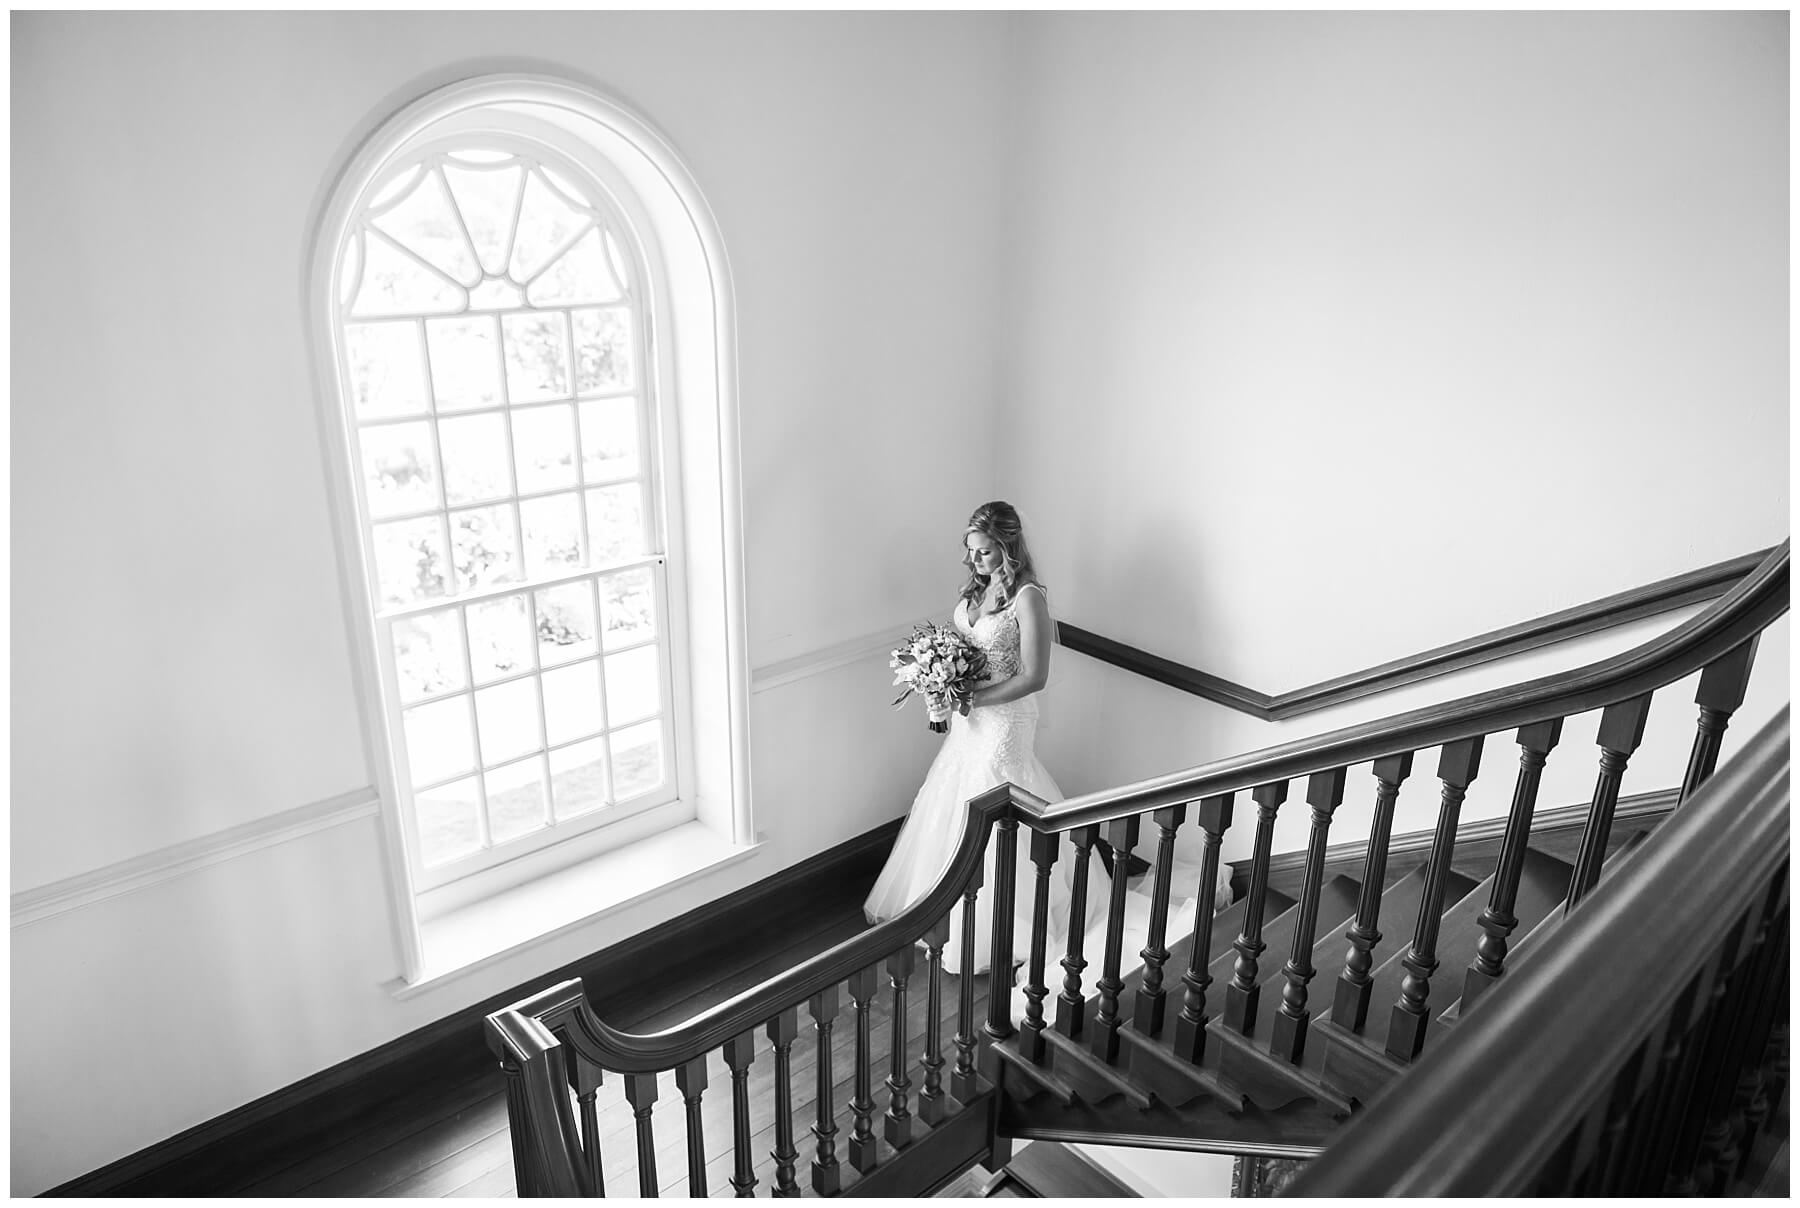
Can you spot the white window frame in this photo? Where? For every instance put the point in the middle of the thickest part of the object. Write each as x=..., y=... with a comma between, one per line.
x=690, y=362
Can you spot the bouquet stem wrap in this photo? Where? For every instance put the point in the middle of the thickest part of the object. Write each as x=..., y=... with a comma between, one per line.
x=940, y=665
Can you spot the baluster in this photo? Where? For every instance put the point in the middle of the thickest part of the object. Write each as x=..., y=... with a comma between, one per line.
x=862, y=1105
x=1242, y=993
x=899, y=1119
x=1045, y=847
x=1350, y=1007
x=1621, y=730
x=1147, y=1012
x=640, y=1092
x=1071, y=1004
x=690, y=1080
x=1000, y=974
x=964, y=1083
x=587, y=1087
x=824, y=1009
x=1457, y=766
x=1122, y=833
x=1497, y=921
x=782, y=1030
x=931, y=1097
x=1324, y=792
x=1720, y=693
x=1190, y=1028
x=739, y=1052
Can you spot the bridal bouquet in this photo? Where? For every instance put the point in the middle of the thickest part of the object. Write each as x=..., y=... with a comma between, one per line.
x=940, y=665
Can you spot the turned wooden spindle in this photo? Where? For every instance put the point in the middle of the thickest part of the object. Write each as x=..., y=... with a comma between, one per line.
x=825, y=1170
x=782, y=1030
x=1350, y=1006
x=587, y=1090
x=640, y=1092
x=862, y=1104
x=1324, y=792
x=1214, y=817
x=1071, y=1004
x=1621, y=730
x=1147, y=1011
x=1044, y=850
x=1497, y=921
x=965, y=1083
x=1000, y=974
x=690, y=1080
x=899, y=1117
x=1457, y=765
x=1242, y=994
x=740, y=1051
x=931, y=1096
x=1123, y=835
x=1720, y=694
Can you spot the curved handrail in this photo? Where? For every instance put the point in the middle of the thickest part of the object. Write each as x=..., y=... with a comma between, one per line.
x=1758, y=599
x=1733, y=619
x=1670, y=900
x=652, y=1052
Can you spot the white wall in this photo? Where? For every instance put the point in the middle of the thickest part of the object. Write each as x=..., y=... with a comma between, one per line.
x=187, y=668
x=1339, y=336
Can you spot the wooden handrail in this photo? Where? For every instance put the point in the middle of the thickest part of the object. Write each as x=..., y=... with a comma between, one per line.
x=1647, y=600
x=1757, y=600
x=1740, y=614
x=1487, y=1108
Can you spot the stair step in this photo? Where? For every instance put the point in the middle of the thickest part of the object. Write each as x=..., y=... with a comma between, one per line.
x=1021, y=1078
x=1519, y=949
x=1093, y=1079
x=1399, y=912
x=1356, y=1062
x=1227, y=924
x=1172, y=1080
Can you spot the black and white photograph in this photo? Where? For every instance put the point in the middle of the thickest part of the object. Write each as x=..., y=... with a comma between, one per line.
x=958, y=603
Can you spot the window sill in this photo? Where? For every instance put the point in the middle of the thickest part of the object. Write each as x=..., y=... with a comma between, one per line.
x=481, y=933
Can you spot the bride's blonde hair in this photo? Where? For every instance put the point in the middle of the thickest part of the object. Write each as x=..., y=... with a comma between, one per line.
x=999, y=522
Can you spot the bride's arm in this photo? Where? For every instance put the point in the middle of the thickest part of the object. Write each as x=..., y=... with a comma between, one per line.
x=1034, y=652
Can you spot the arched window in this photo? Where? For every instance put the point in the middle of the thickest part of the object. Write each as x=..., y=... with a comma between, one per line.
x=500, y=291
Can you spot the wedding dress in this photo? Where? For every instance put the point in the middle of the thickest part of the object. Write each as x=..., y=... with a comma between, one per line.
x=995, y=744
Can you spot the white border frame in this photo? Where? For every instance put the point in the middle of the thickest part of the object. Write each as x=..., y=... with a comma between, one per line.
x=696, y=356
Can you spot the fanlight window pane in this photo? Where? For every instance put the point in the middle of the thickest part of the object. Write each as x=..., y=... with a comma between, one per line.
x=537, y=357
x=387, y=374
x=428, y=654
x=581, y=274
x=396, y=283
x=399, y=469
x=465, y=362
x=518, y=800
x=578, y=778
x=424, y=224
x=547, y=225
x=602, y=350
x=489, y=200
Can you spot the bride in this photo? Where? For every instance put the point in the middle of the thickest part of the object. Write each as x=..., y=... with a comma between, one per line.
x=1004, y=611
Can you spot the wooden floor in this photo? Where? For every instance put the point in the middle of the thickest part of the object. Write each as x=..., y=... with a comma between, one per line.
x=453, y=1140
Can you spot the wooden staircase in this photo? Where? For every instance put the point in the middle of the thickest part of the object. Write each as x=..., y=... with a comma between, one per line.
x=1221, y=1040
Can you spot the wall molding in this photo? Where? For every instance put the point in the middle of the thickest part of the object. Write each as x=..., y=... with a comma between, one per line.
x=828, y=658
x=179, y=859
x=1651, y=599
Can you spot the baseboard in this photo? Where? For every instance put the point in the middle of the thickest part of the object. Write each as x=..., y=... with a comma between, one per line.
x=1477, y=843
x=225, y=1152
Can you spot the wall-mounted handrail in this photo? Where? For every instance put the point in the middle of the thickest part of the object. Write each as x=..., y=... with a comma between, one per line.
x=1485, y=1111
x=1757, y=600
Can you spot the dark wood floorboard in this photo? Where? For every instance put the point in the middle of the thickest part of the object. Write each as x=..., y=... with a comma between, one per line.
x=451, y=1139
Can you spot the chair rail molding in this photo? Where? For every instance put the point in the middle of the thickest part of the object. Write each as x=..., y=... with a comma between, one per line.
x=191, y=855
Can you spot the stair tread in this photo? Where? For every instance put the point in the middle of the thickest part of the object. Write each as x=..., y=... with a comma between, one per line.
x=1073, y=1061
x=1227, y=924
